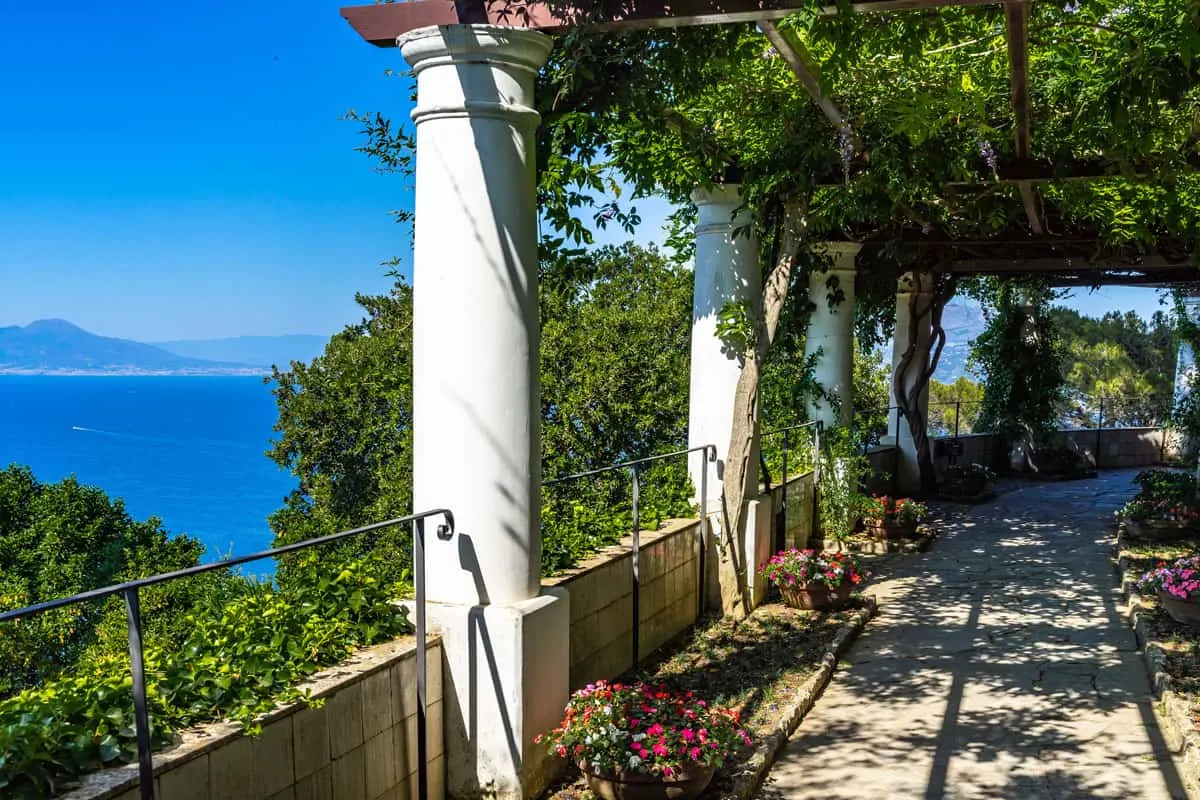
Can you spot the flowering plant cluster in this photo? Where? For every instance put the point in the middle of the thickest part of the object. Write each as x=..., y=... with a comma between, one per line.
x=1181, y=579
x=1165, y=510
x=1163, y=484
x=886, y=509
x=803, y=567
x=615, y=728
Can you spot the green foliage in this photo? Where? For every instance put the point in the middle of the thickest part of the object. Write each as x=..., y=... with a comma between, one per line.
x=954, y=406
x=63, y=538
x=844, y=470
x=345, y=431
x=1118, y=358
x=1021, y=357
x=616, y=331
x=239, y=659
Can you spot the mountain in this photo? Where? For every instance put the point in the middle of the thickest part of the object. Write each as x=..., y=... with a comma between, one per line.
x=262, y=351
x=963, y=321
x=55, y=346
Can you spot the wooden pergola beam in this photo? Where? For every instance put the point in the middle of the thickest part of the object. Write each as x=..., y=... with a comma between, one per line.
x=1016, y=21
x=796, y=55
x=380, y=24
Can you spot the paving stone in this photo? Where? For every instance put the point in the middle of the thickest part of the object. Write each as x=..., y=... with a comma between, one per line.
x=998, y=667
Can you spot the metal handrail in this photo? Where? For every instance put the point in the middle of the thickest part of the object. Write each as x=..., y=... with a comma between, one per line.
x=634, y=467
x=781, y=525
x=134, y=622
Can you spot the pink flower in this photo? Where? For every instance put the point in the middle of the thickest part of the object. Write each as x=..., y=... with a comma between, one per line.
x=660, y=749
x=654, y=730
x=688, y=734
x=695, y=754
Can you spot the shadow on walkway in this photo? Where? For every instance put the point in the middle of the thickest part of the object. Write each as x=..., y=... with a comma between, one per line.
x=999, y=667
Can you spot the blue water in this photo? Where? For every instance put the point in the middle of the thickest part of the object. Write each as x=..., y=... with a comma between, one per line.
x=189, y=450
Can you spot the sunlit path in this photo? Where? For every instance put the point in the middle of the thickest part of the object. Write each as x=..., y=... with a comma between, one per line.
x=997, y=668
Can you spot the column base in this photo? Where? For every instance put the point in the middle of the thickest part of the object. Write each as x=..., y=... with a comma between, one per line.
x=507, y=679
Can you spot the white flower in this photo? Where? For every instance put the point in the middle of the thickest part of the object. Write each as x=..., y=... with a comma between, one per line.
x=634, y=761
x=637, y=737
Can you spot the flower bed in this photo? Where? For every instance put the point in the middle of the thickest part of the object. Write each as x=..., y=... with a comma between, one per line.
x=1171, y=649
x=893, y=517
x=757, y=667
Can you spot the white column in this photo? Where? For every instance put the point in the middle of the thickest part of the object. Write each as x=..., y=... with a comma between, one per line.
x=831, y=331
x=476, y=408
x=1185, y=373
x=727, y=271
x=916, y=286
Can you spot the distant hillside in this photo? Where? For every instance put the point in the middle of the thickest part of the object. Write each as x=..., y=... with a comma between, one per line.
x=55, y=346
x=263, y=351
x=962, y=321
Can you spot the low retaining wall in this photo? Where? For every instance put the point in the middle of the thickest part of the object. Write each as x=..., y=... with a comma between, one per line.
x=1109, y=448
x=360, y=743
x=601, y=588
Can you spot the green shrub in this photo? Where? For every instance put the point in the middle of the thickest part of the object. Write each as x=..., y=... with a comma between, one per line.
x=239, y=660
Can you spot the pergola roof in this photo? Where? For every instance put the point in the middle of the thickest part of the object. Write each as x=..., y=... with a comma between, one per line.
x=1067, y=262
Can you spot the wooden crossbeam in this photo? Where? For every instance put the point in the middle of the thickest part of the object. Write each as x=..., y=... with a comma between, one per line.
x=796, y=55
x=380, y=24
x=1016, y=20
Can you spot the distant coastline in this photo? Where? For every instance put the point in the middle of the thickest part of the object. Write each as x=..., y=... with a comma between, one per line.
x=249, y=372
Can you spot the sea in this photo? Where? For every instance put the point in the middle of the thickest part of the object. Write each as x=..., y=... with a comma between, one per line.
x=189, y=450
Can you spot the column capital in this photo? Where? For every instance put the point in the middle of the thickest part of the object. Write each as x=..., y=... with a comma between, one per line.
x=717, y=209
x=843, y=253
x=491, y=71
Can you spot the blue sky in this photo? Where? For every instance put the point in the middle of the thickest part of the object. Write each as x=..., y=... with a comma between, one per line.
x=179, y=170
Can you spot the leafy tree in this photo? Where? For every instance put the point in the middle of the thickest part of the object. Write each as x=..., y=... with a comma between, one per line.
x=59, y=539
x=1021, y=356
x=954, y=406
x=1118, y=358
x=615, y=333
x=345, y=432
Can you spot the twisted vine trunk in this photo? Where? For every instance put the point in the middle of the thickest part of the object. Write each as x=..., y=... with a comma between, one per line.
x=908, y=394
x=740, y=480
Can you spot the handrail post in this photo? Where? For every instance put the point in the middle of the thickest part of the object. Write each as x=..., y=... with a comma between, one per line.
x=445, y=530
x=133, y=616
x=781, y=536
x=422, y=677
x=701, y=587
x=1099, y=428
x=816, y=478
x=636, y=571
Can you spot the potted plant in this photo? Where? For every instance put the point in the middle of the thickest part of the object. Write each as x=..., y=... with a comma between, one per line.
x=1159, y=520
x=810, y=579
x=641, y=742
x=893, y=518
x=1177, y=587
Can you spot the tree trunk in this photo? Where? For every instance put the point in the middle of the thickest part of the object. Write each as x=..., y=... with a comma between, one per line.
x=740, y=480
x=908, y=397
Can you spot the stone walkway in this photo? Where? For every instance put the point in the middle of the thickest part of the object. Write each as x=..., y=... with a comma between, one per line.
x=998, y=668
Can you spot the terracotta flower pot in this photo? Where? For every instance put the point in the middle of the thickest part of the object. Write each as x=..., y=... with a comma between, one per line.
x=640, y=786
x=892, y=530
x=814, y=596
x=1185, y=612
x=1157, y=530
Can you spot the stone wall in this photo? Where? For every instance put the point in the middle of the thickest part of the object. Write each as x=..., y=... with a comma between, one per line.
x=1115, y=448
x=360, y=743
x=601, y=588
x=601, y=591
x=1118, y=448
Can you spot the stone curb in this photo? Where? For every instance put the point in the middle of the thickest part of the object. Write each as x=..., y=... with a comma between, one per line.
x=1182, y=737
x=754, y=772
